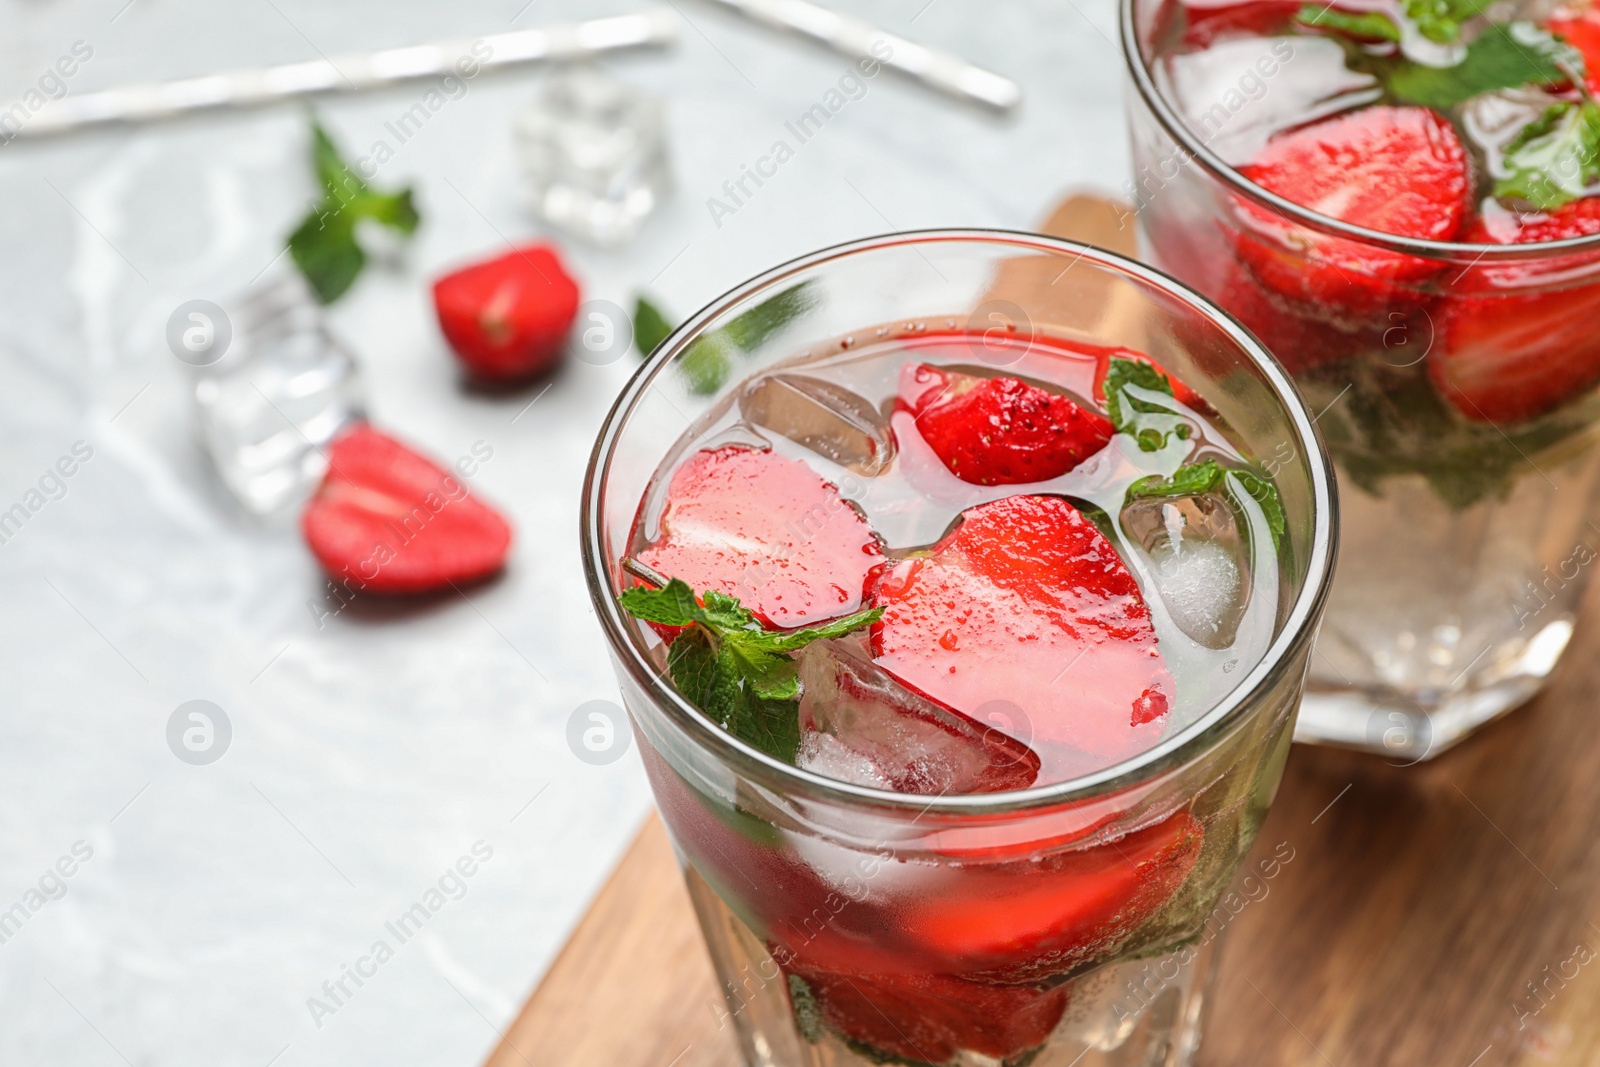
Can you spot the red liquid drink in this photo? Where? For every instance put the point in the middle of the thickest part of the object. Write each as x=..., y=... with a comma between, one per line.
x=941, y=611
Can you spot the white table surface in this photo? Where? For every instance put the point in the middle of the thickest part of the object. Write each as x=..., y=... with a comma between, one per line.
x=369, y=755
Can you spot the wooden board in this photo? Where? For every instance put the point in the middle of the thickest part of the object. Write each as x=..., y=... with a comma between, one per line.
x=1446, y=913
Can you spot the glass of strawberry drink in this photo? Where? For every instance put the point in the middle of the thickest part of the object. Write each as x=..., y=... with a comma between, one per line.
x=1399, y=200
x=962, y=646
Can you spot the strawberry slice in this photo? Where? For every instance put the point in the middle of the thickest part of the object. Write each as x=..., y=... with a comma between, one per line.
x=507, y=318
x=767, y=530
x=1518, y=340
x=1027, y=602
x=1397, y=170
x=1029, y=920
x=999, y=431
x=391, y=521
x=931, y=1018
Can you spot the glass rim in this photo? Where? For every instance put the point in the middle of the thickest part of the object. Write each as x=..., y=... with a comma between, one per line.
x=1182, y=748
x=1172, y=122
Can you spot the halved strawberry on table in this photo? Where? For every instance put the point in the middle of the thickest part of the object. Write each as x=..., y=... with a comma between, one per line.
x=766, y=529
x=1000, y=430
x=1401, y=171
x=1027, y=602
x=388, y=520
x=1518, y=340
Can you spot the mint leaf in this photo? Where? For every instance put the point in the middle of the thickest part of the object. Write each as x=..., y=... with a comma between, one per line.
x=1149, y=421
x=705, y=364
x=1207, y=476
x=1440, y=20
x=324, y=248
x=650, y=326
x=1502, y=57
x=1555, y=159
x=708, y=362
x=752, y=328
x=728, y=666
x=324, y=245
x=1191, y=480
x=674, y=605
x=1264, y=493
x=1366, y=25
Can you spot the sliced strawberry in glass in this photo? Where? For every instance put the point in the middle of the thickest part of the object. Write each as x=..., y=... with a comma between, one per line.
x=1026, y=602
x=1208, y=20
x=387, y=520
x=768, y=530
x=1519, y=340
x=1397, y=170
x=999, y=431
x=930, y=1018
x=1030, y=919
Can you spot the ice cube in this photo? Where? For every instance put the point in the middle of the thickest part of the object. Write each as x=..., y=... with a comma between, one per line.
x=284, y=389
x=863, y=726
x=1198, y=562
x=594, y=153
x=829, y=419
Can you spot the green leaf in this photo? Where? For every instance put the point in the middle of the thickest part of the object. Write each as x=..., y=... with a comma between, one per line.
x=339, y=182
x=794, y=640
x=739, y=674
x=1191, y=480
x=1209, y=475
x=1366, y=25
x=1440, y=20
x=673, y=605
x=705, y=364
x=1555, y=159
x=752, y=328
x=1264, y=493
x=1502, y=57
x=324, y=248
x=807, y=1014
x=693, y=666
x=324, y=245
x=1151, y=419
x=650, y=326
x=394, y=211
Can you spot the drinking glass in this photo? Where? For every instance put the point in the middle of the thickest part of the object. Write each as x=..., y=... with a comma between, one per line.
x=1073, y=923
x=1466, y=533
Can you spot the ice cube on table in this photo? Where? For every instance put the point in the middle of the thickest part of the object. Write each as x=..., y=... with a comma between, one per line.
x=284, y=389
x=828, y=419
x=860, y=725
x=594, y=153
x=1199, y=562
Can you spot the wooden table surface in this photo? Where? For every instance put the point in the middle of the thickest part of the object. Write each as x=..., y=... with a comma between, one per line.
x=1446, y=913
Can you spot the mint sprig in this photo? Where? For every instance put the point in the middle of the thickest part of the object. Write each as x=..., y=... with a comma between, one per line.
x=650, y=326
x=1555, y=159
x=1207, y=476
x=1150, y=422
x=324, y=245
x=727, y=665
x=1504, y=56
x=707, y=363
